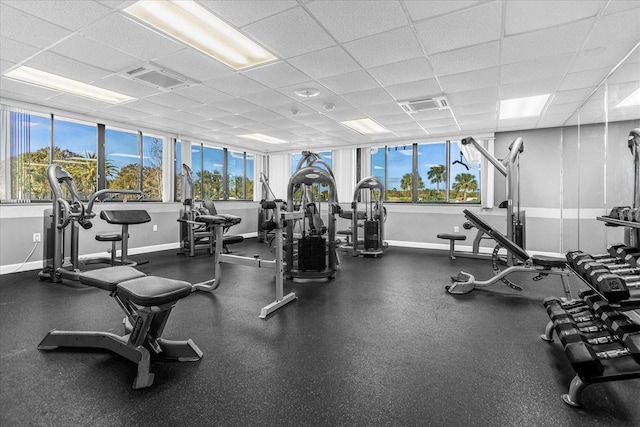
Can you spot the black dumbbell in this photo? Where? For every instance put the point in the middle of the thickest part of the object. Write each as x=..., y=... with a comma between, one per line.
x=573, y=335
x=563, y=324
x=586, y=361
x=612, y=287
x=621, y=250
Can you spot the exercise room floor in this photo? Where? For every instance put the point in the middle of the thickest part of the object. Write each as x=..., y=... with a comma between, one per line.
x=381, y=344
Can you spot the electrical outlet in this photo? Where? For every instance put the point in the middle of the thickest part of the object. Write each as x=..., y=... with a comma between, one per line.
x=36, y=237
x=155, y=227
x=456, y=229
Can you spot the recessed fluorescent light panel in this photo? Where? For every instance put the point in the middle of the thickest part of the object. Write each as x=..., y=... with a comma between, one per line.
x=365, y=126
x=194, y=25
x=63, y=84
x=263, y=138
x=529, y=106
x=632, y=100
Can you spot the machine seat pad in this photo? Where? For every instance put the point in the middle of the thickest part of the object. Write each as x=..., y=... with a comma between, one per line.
x=108, y=278
x=212, y=219
x=126, y=216
x=545, y=261
x=152, y=290
x=109, y=236
x=231, y=219
x=451, y=236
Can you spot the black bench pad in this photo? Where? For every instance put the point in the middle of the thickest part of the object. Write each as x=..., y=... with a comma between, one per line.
x=128, y=216
x=230, y=240
x=544, y=261
x=151, y=290
x=451, y=236
x=109, y=277
x=216, y=220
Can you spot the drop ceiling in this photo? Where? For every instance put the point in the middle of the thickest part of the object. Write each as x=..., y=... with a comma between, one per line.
x=363, y=56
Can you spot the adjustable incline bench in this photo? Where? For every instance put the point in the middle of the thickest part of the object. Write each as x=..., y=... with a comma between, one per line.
x=147, y=302
x=542, y=266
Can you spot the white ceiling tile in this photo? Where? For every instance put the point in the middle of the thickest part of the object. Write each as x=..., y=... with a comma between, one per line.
x=325, y=63
x=149, y=108
x=193, y=64
x=172, y=100
x=385, y=48
x=574, y=95
x=475, y=96
x=183, y=116
x=561, y=109
x=412, y=133
x=31, y=91
x=544, y=43
x=293, y=109
x=350, y=82
x=57, y=12
x=477, y=119
x=131, y=37
x=235, y=85
x=243, y=12
x=406, y=126
x=276, y=75
x=469, y=27
x=262, y=115
x=431, y=114
x=403, y=72
x=127, y=86
x=372, y=17
x=466, y=59
x=515, y=124
x=89, y=51
x=420, y=9
x=62, y=66
x=212, y=124
x=13, y=51
x=529, y=88
x=202, y=94
x=525, y=16
x=236, y=105
x=284, y=123
x=368, y=97
x=393, y=119
x=415, y=90
x=627, y=72
x=5, y=65
x=484, y=107
x=208, y=111
x=476, y=79
x=386, y=109
x=583, y=79
x=608, y=34
x=535, y=69
x=345, y=114
x=622, y=5
x=445, y=130
x=616, y=92
x=17, y=25
x=235, y=120
x=77, y=103
x=267, y=98
x=290, y=33
x=437, y=122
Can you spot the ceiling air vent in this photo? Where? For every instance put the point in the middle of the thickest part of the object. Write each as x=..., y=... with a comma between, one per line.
x=414, y=106
x=158, y=77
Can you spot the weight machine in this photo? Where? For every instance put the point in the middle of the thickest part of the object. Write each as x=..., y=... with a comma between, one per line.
x=309, y=255
x=509, y=167
x=278, y=221
x=62, y=225
x=369, y=191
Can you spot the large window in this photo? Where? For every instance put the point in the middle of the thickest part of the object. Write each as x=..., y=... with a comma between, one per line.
x=122, y=160
x=240, y=175
x=152, y=167
x=207, y=165
x=177, y=167
x=438, y=171
x=74, y=148
x=29, y=156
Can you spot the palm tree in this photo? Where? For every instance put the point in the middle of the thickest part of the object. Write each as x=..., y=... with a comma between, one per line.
x=464, y=182
x=437, y=174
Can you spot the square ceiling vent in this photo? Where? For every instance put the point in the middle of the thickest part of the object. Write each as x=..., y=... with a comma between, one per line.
x=158, y=77
x=413, y=106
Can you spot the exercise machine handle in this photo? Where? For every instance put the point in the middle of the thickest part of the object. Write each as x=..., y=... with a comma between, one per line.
x=98, y=194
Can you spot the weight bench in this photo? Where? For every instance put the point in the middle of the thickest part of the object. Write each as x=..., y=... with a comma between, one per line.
x=541, y=265
x=123, y=218
x=147, y=302
x=452, y=241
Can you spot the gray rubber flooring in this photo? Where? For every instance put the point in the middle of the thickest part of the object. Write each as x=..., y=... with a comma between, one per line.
x=381, y=344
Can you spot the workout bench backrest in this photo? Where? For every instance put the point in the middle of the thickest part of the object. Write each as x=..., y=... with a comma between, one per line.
x=496, y=235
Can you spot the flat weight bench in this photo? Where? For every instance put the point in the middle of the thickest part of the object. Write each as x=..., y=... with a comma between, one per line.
x=125, y=218
x=541, y=265
x=147, y=302
x=452, y=241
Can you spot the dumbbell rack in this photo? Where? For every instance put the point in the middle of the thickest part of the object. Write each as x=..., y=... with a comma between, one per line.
x=601, y=343
x=632, y=229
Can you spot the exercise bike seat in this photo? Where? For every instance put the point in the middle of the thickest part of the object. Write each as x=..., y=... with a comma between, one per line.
x=108, y=278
